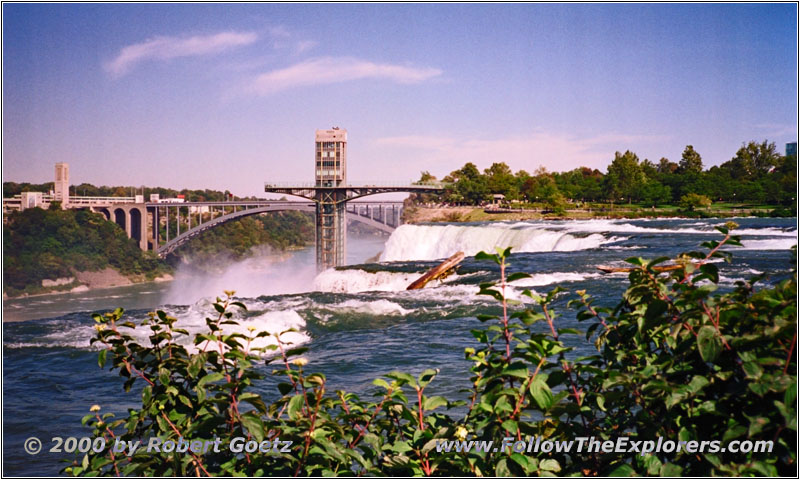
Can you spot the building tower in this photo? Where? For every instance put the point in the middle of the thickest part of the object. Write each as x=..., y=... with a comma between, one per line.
x=61, y=189
x=331, y=157
x=791, y=149
x=330, y=173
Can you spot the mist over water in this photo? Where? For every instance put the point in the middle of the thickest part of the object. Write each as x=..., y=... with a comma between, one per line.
x=359, y=321
x=252, y=277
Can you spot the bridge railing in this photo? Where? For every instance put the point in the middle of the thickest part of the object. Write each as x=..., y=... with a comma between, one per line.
x=100, y=200
x=357, y=184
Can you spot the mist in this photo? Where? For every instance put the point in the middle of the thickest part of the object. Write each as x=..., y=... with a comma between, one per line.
x=265, y=273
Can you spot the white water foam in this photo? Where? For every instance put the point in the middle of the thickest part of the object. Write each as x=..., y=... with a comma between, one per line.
x=271, y=322
x=376, y=307
x=431, y=242
x=356, y=281
x=541, y=279
x=193, y=321
x=617, y=226
x=767, y=244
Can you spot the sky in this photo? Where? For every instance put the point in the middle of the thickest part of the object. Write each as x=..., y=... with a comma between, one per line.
x=228, y=96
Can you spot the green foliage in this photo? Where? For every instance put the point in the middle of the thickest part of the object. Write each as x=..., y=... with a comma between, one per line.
x=40, y=244
x=238, y=239
x=756, y=174
x=691, y=162
x=625, y=176
x=692, y=201
x=673, y=360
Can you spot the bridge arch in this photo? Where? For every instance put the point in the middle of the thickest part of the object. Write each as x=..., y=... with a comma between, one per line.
x=135, y=217
x=184, y=237
x=121, y=218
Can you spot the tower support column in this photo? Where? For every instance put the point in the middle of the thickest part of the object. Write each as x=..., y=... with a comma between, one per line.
x=331, y=227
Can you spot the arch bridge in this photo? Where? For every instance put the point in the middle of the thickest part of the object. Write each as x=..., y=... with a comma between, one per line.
x=165, y=226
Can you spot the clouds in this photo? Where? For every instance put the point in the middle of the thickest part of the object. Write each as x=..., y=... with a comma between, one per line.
x=165, y=48
x=328, y=70
x=315, y=71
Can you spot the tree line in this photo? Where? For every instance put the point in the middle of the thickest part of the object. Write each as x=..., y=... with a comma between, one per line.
x=88, y=190
x=757, y=174
x=47, y=244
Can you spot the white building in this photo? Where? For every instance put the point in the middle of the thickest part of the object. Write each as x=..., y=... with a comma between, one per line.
x=331, y=157
x=61, y=193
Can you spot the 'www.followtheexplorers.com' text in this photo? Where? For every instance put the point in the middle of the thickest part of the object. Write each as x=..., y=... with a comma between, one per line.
x=592, y=445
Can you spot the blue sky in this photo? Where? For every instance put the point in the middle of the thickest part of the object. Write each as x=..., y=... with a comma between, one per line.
x=228, y=96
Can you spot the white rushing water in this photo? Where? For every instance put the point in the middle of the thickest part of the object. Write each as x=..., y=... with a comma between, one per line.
x=431, y=242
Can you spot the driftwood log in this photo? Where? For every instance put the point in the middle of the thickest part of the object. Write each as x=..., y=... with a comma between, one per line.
x=437, y=272
x=657, y=268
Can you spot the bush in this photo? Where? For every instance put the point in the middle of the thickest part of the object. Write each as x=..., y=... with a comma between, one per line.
x=691, y=201
x=674, y=361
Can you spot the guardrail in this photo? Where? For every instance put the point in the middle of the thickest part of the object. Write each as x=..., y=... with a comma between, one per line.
x=356, y=184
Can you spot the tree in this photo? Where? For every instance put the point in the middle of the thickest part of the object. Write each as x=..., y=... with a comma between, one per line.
x=625, y=176
x=649, y=168
x=470, y=185
x=690, y=161
x=665, y=166
x=500, y=179
x=654, y=193
x=425, y=177
x=753, y=160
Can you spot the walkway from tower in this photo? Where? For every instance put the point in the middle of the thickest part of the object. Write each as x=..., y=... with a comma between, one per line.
x=331, y=210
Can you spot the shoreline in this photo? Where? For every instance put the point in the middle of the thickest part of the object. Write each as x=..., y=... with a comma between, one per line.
x=83, y=288
x=424, y=214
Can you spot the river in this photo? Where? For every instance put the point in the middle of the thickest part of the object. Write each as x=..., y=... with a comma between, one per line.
x=359, y=321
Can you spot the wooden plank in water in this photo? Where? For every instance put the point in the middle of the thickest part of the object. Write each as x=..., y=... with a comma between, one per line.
x=437, y=271
x=658, y=268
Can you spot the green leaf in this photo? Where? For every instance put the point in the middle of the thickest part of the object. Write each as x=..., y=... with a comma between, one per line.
x=101, y=358
x=670, y=470
x=485, y=256
x=402, y=378
x=501, y=469
x=708, y=343
x=379, y=382
x=541, y=393
x=184, y=400
x=427, y=376
x=196, y=364
x=295, y=406
x=432, y=403
x=285, y=388
x=515, y=371
x=752, y=370
x=511, y=426
x=517, y=276
x=147, y=394
x=211, y=377
x=254, y=425
x=550, y=465
x=623, y=470
x=520, y=460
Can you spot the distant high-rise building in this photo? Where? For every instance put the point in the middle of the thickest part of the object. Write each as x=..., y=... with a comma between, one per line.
x=331, y=157
x=61, y=189
x=791, y=149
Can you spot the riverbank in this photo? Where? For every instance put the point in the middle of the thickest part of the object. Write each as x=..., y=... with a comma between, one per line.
x=106, y=278
x=425, y=214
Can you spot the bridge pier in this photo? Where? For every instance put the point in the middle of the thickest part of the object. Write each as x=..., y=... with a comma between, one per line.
x=331, y=228
x=131, y=218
